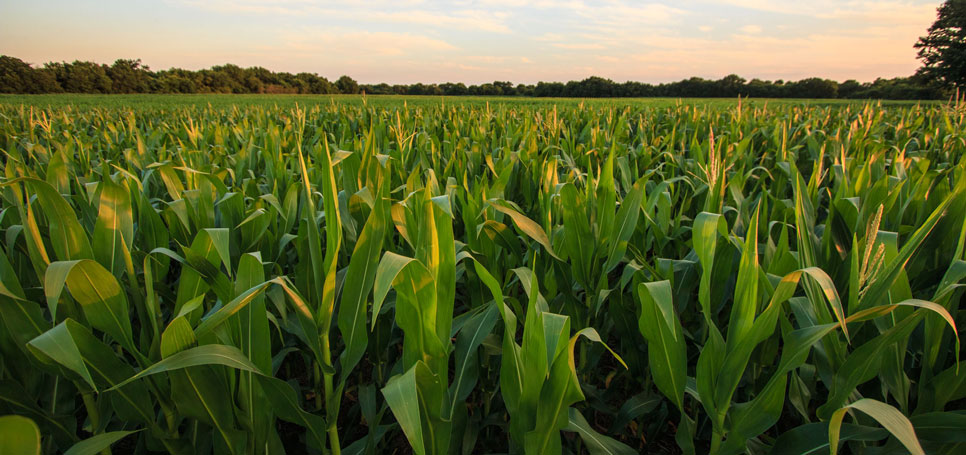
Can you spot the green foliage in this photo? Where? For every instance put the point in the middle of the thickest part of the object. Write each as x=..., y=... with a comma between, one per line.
x=19, y=435
x=372, y=276
x=943, y=49
x=130, y=76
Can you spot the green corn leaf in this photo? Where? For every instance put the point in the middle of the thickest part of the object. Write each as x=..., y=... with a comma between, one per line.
x=704, y=236
x=57, y=345
x=524, y=224
x=746, y=295
x=98, y=293
x=13, y=396
x=535, y=362
x=316, y=267
x=177, y=337
x=285, y=402
x=865, y=361
x=66, y=234
x=577, y=234
x=19, y=435
x=561, y=391
x=633, y=408
x=596, y=443
x=209, y=354
x=333, y=237
x=359, y=281
x=887, y=416
x=812, y=438
x=667, y=353
x=402, y=395
x=750, y=419
x=232, y=308
x=888, y=275
x=624, y=225
x=467, y=345
x=446, y=268
x=114, y=230
x=940, y=427
x=98, y=365
x=390, y=266
x=97, y=443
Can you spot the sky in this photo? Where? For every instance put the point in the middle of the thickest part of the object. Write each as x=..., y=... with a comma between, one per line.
x=475, y=41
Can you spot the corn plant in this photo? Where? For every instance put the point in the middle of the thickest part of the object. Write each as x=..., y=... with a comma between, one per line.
x=241, y=277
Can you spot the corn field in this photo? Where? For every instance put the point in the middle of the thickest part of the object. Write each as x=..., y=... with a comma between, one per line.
x=461, y=278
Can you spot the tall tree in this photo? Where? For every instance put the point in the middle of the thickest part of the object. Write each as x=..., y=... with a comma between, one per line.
x=17, y=76
x=347, y=85
x=129, y=76
x=80, y=77
x=943, y=50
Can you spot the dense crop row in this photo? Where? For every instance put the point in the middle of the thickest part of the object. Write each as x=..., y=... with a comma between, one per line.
x=473, y=279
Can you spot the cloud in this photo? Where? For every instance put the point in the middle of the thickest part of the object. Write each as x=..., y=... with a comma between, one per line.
x=618, y=14
x=750, y=29
x=462, y=20
x=705, y=28
x=370, y=12
x=549, y=36
x=891, y=10
x=579, y=46
x=359, y=45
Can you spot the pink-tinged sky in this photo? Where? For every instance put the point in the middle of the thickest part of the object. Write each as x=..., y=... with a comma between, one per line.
x=407, y=41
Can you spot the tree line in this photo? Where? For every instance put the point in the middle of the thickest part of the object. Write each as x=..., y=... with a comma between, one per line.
x=131, y=76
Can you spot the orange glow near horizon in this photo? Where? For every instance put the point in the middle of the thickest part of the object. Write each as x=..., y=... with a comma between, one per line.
x=484, y=40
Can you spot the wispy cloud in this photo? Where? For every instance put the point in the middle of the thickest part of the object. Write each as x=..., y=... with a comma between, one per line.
x=360, y=44
x=580, y=46
x=411, y=13
x=837, y=9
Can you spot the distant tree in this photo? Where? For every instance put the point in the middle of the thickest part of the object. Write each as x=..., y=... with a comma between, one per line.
x=849, y=89
x=900, y=88
x=45, y=82
x=129, y=76
x=423, y=89
x=81, y=77
x=762, y=89
x=312, y=83
x=227, y=78
x=177, y=81
x=692, y=87
x=506, y=88
x=378, y=89
x=261, y=80
x=17, y=76
x=489, y=90
x=524, y=90
x=347, y=85
x=813, y=87
x=943, y=50
x=731, y=85
x=451, y=89
x=637, y=89
x=549, y=89
x=592, y=87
